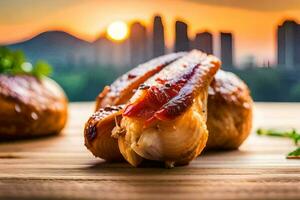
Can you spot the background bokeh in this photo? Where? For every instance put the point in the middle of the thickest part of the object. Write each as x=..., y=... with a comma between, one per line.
x=257, y=40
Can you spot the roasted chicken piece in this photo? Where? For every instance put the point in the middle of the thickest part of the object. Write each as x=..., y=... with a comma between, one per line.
x=30, y=106
x=98, y=132
x=120, y=91
x=99, y=127
x=229, y=112
x=227, y=130
x=165, y=120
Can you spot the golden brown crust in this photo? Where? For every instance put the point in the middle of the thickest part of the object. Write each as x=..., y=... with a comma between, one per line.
x=229, y=119
x=229, y=114
x=123, y=88
x=120, y=91
x=30, y=106
x=97, y=133
x=230, y=88
x=98, y=129
x=171, y=91
x=166, y=121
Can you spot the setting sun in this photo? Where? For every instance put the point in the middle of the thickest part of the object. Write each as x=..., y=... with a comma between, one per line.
x=117, y=30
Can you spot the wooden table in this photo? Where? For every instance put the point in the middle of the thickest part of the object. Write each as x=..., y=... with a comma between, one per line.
x=61, y=167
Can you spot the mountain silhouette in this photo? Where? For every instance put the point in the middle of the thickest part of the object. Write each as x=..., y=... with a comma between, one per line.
x=57, y=47
x=62, y=49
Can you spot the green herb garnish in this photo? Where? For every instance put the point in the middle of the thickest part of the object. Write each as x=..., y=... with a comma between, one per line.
x=294, y=154
x=292, y=134
x=14, y=63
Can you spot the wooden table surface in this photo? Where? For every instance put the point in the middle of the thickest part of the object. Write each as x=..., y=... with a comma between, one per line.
x=61, y=167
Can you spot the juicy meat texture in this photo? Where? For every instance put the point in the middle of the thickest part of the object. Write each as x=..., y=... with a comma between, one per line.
x=171, y=91
x=153, y=103
x=174, y=91
x=97, y=134
x=121, y=90
x=167, y=121
x=229, y=111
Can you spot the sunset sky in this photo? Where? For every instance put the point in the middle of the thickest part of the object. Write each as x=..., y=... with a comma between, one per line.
x=253, y=23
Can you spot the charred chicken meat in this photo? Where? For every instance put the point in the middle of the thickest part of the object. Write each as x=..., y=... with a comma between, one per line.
x=159, y=111
x=164, y=120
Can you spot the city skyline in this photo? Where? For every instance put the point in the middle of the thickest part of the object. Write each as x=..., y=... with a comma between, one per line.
x=143, y=43
x=252, y=36
x=288, y=44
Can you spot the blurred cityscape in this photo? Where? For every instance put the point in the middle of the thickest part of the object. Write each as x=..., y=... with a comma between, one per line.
x=83, y=68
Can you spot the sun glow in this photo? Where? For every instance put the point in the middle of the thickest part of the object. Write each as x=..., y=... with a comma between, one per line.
x=117, y=30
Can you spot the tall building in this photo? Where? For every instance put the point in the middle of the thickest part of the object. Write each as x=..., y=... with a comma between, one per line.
x=226, y=50
x=138, y=44
x=112, y=53
x=158, y=37
x=103, y=51
x=182, y=42
x=204, y=42
x=288, y=44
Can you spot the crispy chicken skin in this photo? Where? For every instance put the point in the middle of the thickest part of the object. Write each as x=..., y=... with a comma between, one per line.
x=229, y=117
x=30, y=106
x=229, y=112
x=121, y=90
x=98, y=130
x=101, y=124
x=165, y=120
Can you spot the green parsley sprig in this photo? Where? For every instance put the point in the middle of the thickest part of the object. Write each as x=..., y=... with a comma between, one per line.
x=14, y=63
x=292, y=134
x=294, y=154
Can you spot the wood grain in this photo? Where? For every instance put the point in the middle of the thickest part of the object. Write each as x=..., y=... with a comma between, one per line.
x=61, y=167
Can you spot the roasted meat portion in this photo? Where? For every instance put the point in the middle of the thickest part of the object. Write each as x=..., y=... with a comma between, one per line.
x=120, y=91
x=169, y=99
x=30, y=106
x=165, y=120
x=229, y=112
x=139, y=126
x=98, y=132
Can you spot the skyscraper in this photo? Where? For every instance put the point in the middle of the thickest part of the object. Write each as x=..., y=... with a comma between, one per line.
x=181, y=37
x=158, y=37
x=288, y=44
x=109, y=52
x=103, y=51
x=138, y=44
x=204, y=42
x=226, y=50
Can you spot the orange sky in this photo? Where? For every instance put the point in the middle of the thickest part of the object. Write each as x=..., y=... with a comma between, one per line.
x=253, y=23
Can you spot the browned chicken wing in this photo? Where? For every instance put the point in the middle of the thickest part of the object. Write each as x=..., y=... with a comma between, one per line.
x=120, y=91
x=166, y=120
x=184, y=82
x=161, y=97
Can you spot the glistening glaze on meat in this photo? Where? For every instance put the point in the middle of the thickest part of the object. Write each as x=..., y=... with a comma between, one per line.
x=229, y=110
x=123, y=88
x=97, y=133
x=120, y=91
x=177, y=132
x=30, y=106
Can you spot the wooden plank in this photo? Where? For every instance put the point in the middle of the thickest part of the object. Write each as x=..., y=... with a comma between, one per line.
x=61, y=167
